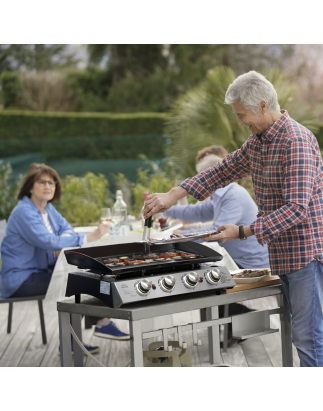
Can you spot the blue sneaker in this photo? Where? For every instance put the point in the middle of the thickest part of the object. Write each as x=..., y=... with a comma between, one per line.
x=110, y=331
x=91, y=349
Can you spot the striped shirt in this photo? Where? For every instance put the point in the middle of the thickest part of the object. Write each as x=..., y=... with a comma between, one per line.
x=286, y=167
x=47, y=223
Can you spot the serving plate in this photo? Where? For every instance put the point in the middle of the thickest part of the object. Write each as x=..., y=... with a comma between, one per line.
x=182, y=239
x=247, y=280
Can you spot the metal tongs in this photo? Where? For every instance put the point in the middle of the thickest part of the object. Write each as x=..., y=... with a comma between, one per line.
x=148, y=224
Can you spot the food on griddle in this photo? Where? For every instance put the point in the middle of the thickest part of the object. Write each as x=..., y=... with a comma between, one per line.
x=145, y=256
x=172, y=254
x=176, y=236
x=124, y=258
x=251, y=274
x=111, y=261
x=151, y=255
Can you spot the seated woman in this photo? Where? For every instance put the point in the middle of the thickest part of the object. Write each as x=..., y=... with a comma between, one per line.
x=36, y=232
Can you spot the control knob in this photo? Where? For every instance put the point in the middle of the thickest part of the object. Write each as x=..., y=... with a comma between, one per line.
x=213, y=277
x=143, y=287
x=191, y=280
x=167, y=284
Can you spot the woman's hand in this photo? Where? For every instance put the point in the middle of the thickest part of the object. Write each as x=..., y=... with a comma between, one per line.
x=227, y=232
x=98, y=233
x=56, y=253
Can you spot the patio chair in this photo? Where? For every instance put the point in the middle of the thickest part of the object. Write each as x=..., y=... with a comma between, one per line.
x=10, y=301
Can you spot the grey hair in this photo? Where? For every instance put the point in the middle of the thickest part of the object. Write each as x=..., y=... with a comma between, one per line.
x=250, y=89
x=207, y=161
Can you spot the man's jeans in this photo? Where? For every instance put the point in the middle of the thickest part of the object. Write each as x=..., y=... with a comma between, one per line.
x=304, y=292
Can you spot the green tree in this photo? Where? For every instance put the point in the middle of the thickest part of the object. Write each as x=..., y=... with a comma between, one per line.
x=35, y=57
x=139, y=59
x=8, y=190
x=83, y=198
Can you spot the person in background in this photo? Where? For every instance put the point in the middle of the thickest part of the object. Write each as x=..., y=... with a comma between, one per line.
x=36, y=232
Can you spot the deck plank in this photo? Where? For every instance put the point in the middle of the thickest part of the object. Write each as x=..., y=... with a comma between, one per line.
x=51, y=357
x=17, y=318
x=36, y=350
x=234, y=356
x=21, y=338
x=255, y=353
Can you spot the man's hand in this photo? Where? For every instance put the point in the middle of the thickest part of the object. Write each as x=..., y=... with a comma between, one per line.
x=56, y=253
x=160, y=202
x=228, y=232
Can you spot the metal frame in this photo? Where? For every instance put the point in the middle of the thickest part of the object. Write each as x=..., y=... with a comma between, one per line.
x=134, y=313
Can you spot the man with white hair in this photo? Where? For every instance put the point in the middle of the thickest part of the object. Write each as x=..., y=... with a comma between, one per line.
x=284, y=160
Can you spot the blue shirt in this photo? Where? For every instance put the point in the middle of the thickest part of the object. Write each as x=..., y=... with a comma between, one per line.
x=28, y=245
x=230, y=205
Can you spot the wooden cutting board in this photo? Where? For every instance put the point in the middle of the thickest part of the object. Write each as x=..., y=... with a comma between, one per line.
x=266, y=280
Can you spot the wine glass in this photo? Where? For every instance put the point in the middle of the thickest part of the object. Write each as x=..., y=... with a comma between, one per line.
x=106, y=216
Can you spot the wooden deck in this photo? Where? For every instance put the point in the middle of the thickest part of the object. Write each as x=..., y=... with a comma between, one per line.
x=24, y=348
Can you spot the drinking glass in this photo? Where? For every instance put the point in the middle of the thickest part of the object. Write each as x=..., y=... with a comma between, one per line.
x=116, y=224
x=106, y=216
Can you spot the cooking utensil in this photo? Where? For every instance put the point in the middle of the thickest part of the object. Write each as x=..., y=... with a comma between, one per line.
x=147, y=230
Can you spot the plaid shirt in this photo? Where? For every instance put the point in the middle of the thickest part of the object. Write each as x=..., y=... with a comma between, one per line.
x=286, y=167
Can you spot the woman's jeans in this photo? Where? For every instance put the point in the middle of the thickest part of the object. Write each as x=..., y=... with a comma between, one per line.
x=304, y=292
x=36, y=284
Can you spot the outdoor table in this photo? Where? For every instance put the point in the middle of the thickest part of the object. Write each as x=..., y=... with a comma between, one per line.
x=245, y=325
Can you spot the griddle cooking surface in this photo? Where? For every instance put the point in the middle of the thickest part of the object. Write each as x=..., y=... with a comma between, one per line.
x=89, y=258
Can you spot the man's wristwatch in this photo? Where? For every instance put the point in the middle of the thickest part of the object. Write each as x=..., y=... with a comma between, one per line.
x=241, y=233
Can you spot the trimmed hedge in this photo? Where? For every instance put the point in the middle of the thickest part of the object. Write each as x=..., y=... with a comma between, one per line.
x=112, y=147
x=81, y=135
x=38, y=125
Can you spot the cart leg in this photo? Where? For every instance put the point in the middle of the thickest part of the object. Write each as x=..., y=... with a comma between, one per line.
x=78, y=353
x=42, y=321
x=286, y=334
x=65, y=339
x=225, y=329
x=212, y=313
x=136, y=344
x=9, y=318
x=203, y=314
